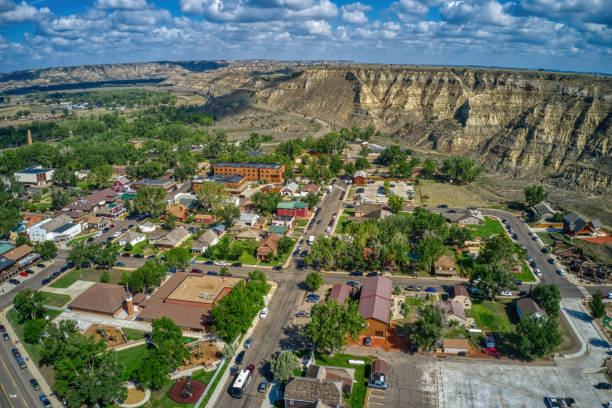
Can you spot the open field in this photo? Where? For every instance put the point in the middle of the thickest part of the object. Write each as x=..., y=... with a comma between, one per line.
x=490, y=227
x=92, y=275
x=55, y=299
x=449, y=194
x=491, y=316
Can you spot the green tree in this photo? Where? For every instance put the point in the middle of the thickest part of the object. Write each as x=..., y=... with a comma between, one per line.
x=9, y=219
x=285, y=244
x=170, y=221
x=128, y=247
x=151, y=373
x=23, y=240
x=492, y=278
x=392, y=155
x=336, y=164
x=548, y=297
x=150, y=200
x=228, y=351
x=314, y=280
x=598, y=309
x=64, y=176
x=224, y=271
x=429, y=168
x=228, y=213
x=330, y=323
x=362, y=163
x=534, y=195
x=106, y=258
x=428, y=329
x=59, y=198
x=458, y=235
x=177, y=257
x=349, y=169
x=29, y=304
x=46, y=250
x=537, y=336
x=386, y=186
x=105, y=277
x=461, y=167
x=429, y=249
x=100, y=176
x=168, y=340
x=212, y=195
x=266, y=202
x=283, y=366
x=396, y=203
x=32, y=330
x=312, y=199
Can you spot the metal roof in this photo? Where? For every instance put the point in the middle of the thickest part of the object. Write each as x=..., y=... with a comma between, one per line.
x=34, y=170
x=254, y=165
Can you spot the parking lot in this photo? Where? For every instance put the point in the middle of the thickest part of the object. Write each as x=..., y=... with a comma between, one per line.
x=373, y=193
x=6, y=286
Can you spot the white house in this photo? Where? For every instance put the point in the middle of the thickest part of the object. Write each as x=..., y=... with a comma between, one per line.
x=54, y=229
x=208, y=239
x=132, y=237
x=147, y=227
x=36, y=175
x=247, y=220
x=290, y=189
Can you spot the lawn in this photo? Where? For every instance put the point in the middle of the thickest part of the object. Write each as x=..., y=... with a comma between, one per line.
x=55, y=299
x=247, y=256
x=302, y=222
x=133, y=334
x=445, y=193
x=490, y=227
x=348, y=211
x=547, y=238
x=491, y=316
x=81, y=239
x=139, y=248
x=362, y=372
x=526, y=275
x=92, y=275
x=131, y=358
x=342, y=223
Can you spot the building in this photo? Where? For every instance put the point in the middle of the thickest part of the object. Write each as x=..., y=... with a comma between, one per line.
x=54, y=229
x=310, y=188
x=526, y=306
x=340, y=292
x=461, y=296
x=100, y=197
x=173, y=239
x=344, y=374
x=290, y=189
x=187, y=299
x=271, y=172
x=4, y=248
x=375, y=304
x=112, y=210
x=165, y=184
x=576, y=225
x=23, y=256
x=106, y=299
x=34, y=175
x=180, y=211
x=297, y=209
x=462, y=217
x=28, y=221
x=208, y=239
x=306, y=392
x=249, y=234
x=131, y=237
x=268, y=248
x=454, y=311
x=544, y=211
x=368, y=210
x=247, y=220
x=187, y=199
x=122, y=183
x=8, y=269
x=81, y=206
x=147, y=227
x=280, y=230
x=360, y=178
x=456, y=346
x=82, y=174
x=445, y=266
x=235, y=183
x=204, y=219
x=379, y=374
x=282, y=220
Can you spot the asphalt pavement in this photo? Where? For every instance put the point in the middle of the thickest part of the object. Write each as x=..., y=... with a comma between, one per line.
x=15, y=389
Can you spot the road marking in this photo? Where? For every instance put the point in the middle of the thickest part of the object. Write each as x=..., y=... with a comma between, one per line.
x=375, y=403
x=14, y=383
x=584, y=292
x=8, y=399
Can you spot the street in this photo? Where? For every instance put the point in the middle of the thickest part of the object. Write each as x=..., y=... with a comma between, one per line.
x=15, y=389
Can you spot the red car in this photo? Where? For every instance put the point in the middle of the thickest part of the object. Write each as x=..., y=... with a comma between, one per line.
x=127, y=255
x=196, y=270
x=24, y=273
x=492, y=352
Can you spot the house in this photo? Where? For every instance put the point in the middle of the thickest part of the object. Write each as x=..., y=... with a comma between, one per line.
x=34, y=175
x=284, y=221
x=208, y=239
x=526, y=306
x=544, y=211
x=173, y=239
x=290, y=189
x=235, y=184
x=344, y=374
x=461, y=296
x=147, y=227
x=95, y=222
x=454, y=311
x=76, y=216
x=306, y=392
x=8, y=269
x=122, y=183
x=28, y=221
x=379, y=373
x=119, y=170
x=462, y=217
x=268, y=248
x=375, y=304
x=187, y=199
x=204, y=219
x=5, y=248
x=456, y=346
x=310, y=188
x=106, y=299
x=576, y=225
x=163, y=183
x=156, y=235
x=248, y=234
x=340, y=292
x=54, y=229
x=360, y=178
x=81, y=206
x=180, y=211
x=100, y=197
x=247, y=220
x=82, y=174
x=271, y=172
x=131, y=237
x=297, y=209
x=278, y=229
x=112, y=210
x=472, y=247
x=445, y=266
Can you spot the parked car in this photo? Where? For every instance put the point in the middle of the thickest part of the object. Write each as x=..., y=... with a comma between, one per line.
x=221, y=263
x=5, y=336
x=544, y=250
x=34, y=384
x=413, y=288
x=237, y=264
x=304, y=253
x=551, y=261
x=138, y=256
x=45, y=281
x=603, y=386
x=302, y=314
x=248, y=343
x=552, y=402
x=518, y=282
x=312, y=298
x=212, y=273
x=209, y=263
x=505, y=293
x=560, y=271
x=492, y=351
x=356, y=273
x=262, y=386
x=126, y=255
x=40, y=265
x=538, y=272
x=194, y=261
x=570, y=402
x=373, y=274
x=353, y=284
x=368, y=341
x=196, y=270
x=431, y=290
x=278, y=268
x=45, y=401
x=318, y=222
x=14, y=281
x=533, y=264
x=2, y=328
x=240, y=357
x=264, y=313
x=119, y=264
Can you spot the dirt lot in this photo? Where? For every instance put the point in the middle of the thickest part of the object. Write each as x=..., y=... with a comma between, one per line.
x=112, y=335
x=372, y=194
x=202, y=353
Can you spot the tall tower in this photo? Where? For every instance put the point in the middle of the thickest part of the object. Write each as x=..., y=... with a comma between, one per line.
x=29, y=137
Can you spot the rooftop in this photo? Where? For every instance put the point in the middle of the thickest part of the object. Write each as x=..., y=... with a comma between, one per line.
x=149, y=182
x=55, y=223
x=456, y=343
x=254, y=165
x=5, y=263
x=339, y=292
x=310, y=389
x=377, y=286
x=222, y=178
x=101, y=297
x=34, y=170
x=205, y=289
x=290, y=205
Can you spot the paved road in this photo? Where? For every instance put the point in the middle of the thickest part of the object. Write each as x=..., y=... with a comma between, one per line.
x=14, y=381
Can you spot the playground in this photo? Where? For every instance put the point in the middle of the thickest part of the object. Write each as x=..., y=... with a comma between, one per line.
x=203, y=353
x=112, y=335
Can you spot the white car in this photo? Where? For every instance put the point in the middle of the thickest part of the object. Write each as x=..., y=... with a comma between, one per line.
x=116, y=234
x=99, y=234
x=538, y=272
x=505, y=293
x=221, y=263
x=328, y=229
x=264, y=313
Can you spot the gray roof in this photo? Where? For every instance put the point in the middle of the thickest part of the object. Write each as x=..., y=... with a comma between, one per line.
x=311, y=389
x=574, y=222
x=293, y=186
x=64, y=228
x=5, y=263
x=174, y=236
x=34, y=170
x=377, y=286
x=257, y=165
x=222, y=178
x=453, y=308
x=596, y=223
x=56, y=223
x=205, y=240
x=528, y=305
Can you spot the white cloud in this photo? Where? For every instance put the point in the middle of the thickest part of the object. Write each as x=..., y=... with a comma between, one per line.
x=121, y=4
x=21, y=13
x=410, y=10
x=487, y=12
x=355, y=13
x=317, y=27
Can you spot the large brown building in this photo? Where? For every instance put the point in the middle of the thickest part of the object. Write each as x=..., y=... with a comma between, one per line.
x=252, y=171
x=375, y=304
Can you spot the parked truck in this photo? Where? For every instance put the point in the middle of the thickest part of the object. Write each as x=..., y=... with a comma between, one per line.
x=311, y=240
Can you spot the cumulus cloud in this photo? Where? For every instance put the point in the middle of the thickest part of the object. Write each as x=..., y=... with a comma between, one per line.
x=355, y=13
x=121, y=4
x=487, y=12
x=21, y=13
x=410, y=10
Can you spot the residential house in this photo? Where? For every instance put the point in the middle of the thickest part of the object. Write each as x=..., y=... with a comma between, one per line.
x=462, y=296
x=54, y=229
x=310, y=188
x=544, y=211
x=147, y=227
x=187, y=199
x=323, y=372
x=576, y=225
x=375, y=304
x=8, y=269
x=454, y=311
x=445, y=266
x=234, y=184
x=163, y=183
x=285, y=221
x=131, y=237
x=305, y=392
x=106, y=299
x=34, y=175
x=180, y=211
x=290, y=189
x=100, y=197
x=81, y=206
x=173, y=238
x=340, y=292
x=28, y=221
x=379, y=374
x=360, y=178
x=82, y=174
x=472, y=247
x=526, y=306
x=268, y=248
x=208, y=239
x=204, y=218
x=247, y=220
x=95, y=222
x=112, y=210
x=119, y=170
x=463, y=217
x=156, y=235
x=456, y=346
x=297, y=209
x=122, y=183
x=280, y=230
x=248, y=234
x=76, y=216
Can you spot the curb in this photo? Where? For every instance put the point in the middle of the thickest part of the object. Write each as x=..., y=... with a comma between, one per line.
x=583, y=346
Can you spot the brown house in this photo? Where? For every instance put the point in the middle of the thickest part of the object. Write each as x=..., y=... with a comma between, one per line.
x=268, y=249
x=445, y=266
x=204, y=219
x=461, y=295
x=104, y=299
x=180, y=211
x=375, y=304
x=346, y=375
x=360, y=178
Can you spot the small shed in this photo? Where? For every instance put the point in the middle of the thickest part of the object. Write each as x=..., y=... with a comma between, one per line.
x=456, y=346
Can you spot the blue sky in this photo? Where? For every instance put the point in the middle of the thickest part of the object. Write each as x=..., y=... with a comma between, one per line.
x=571, y=35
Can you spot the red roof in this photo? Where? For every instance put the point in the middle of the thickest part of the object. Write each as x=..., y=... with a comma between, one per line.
x=375, y=307
x=339, y=292
x=377, y=286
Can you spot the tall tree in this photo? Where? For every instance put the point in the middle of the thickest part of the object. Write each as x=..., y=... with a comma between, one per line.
x=177, y=257
x=266, y=202
x=100, y=176
x=392, y=155
x=330, y=323
x=598, y=309
x=283, y=366
x=492, y=278
x=228, y=213
x=429, y=168
x=29, y=304
x=429, y=249
x=212, y=195
x=150, y=200
x=534, y=195
x=460, y=167
x=314, y=280
x=312, y=199
x=547, y=296
x=396, y=203
x=169, y=343
x=59, y=198
x=538, y=336
x=46, y=250
x=428, y=329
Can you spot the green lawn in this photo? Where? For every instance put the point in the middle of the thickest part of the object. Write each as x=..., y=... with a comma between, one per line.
x=357, y=398
x=490, y=227
x=547, y=238
x=302, y=222
x=131, y=358
x=492, y=316
x=342, y=223
x=526, y=275
x=87, y=274
x=55, y=299
x=133, y=334
x=414, y=301
x=348, y=211
x=138, y=249
x=80, y=239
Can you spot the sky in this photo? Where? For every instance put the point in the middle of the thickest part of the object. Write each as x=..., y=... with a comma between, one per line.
x=565, y=35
